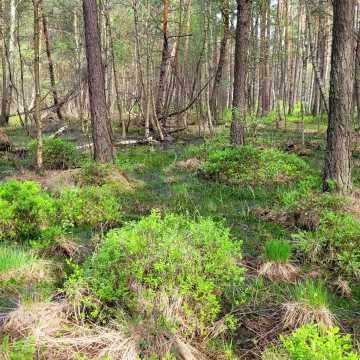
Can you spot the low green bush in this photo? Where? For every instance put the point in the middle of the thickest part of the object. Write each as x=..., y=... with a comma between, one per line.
x=334, y=243
x=313, y=343
x=92, y=206
x=248, y=165
x=58, y=154
x=175, y=273
x=25, y=210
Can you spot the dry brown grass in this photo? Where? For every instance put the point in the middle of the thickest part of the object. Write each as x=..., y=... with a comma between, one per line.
x=297, y=314
x=58, y=338
x=281, y=272
x=342, y=287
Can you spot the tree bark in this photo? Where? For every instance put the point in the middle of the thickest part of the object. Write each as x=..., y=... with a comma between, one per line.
x=101, y=133
x=222, y=58
x=164, y=60
x=337, y=173
x=50, y=63
x=37, y=118
x=237, y=132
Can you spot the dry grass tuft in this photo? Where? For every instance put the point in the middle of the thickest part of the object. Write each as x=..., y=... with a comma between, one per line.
x=342, y=287
x=57, y=338
x=192, y=164
x=297, y=314
x=281, y=272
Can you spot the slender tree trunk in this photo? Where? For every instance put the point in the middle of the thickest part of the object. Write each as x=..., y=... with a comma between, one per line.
x=50, y=62
x=338, y=155
x=222, y=58
x=37, y=118
x=237, y=132
x=101, y=133
x=164, y=60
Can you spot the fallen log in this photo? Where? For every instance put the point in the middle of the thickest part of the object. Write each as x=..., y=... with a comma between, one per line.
x=59, y=132
x=147, y=141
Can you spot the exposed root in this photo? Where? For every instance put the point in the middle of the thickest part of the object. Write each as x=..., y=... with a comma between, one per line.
x=282, y=272
x=297, y=314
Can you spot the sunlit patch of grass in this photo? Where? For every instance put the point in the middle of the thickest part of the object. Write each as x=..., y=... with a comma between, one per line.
x=14, y=258
x=277, y=251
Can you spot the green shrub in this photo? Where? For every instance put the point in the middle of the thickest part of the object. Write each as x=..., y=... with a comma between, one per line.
x=247, y=165
x=175, y=272
x=313, y=343
x=24, y=210
x=18, y=350
x=277, y=251
x=335, y=243
x=89, y=206
x=57, y=154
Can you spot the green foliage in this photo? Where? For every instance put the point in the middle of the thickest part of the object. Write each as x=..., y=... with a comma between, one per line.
x=14, y=258
x=335, y=242
x=247, y=165
x=24, y=210
x=57, y=154
x=313, y=343
x=277, y=251
x=18, y=350
x=166, y=263
x=92, y=206
x=311, y=292
x=93, y=173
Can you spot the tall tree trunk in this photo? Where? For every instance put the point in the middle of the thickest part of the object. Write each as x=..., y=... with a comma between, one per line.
x=237, y=133
x=164, y=60
x=338, y=155
x=101, y=133
x=357, y=74
x=37, y=118
x=222, y=57
x=50, y=62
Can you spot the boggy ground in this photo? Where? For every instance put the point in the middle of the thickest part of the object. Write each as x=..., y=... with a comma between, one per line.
x=174, y=179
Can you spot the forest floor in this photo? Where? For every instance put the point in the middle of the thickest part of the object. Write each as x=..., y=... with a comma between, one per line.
x=167, y=177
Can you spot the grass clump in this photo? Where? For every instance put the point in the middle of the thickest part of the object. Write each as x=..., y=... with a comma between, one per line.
x=248, y=165
x=25, y=210
x=277, y=267
x=172, y=276
x=310, y=303
x=277, y=251
x=310, y=342
x=21, y=266
x=14, y=258
x=58, y=154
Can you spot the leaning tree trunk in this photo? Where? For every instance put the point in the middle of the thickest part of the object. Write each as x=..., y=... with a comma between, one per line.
x=237, y=132
x=101, y=133
x=337, y=174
